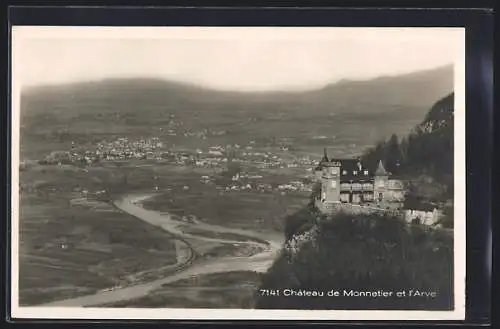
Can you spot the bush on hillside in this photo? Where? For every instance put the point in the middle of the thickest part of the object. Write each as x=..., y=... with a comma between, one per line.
x=300, y=221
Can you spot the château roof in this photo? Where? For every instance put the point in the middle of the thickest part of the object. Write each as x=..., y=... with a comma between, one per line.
x=349, y=164
x=352, y=168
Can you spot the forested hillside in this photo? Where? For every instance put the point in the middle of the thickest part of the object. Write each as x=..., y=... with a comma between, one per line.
x=363, y=253
x=428, y=149
x=425, y=158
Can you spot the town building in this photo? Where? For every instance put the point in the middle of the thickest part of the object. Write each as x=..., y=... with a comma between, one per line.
x=348, y=181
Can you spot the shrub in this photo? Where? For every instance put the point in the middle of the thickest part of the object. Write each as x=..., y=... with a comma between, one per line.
x=299, y=221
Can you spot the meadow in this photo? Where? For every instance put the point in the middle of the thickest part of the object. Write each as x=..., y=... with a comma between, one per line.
x=70, y=246
x=241, y=209
x=232, y=290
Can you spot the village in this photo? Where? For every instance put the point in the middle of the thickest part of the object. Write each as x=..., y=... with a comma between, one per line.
x=154, y=149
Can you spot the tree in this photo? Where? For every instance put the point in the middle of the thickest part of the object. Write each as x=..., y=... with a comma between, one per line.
x=316, y=191
x=299, y=222
x=393, y=154
x=447, y=220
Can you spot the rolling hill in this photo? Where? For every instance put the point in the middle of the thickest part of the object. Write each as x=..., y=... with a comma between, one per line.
x=419, y=89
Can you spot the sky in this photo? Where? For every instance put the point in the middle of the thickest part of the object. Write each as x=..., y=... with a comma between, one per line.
x=243, y=59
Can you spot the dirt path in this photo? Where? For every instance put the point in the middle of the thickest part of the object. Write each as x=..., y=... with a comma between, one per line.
x=130, y=204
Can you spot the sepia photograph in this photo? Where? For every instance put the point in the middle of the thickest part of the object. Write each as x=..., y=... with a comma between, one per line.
x=238, y=173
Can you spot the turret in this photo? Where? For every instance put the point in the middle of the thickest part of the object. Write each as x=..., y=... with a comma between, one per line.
x=325, y=156
x=319, y=169
x=381, y=170
x=380, y=182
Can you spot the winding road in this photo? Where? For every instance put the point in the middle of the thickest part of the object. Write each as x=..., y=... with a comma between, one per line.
x=131, y=204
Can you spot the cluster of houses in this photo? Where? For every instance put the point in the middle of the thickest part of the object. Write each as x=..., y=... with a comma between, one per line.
x=220, y=156
x=295, y=186
x=263, y=187
x=204, y=134
x=251, y=182
x=258, y=187
x=122, y=148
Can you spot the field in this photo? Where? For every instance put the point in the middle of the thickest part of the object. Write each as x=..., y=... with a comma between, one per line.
x=225, y=250
x=221, y=290
x=72, y=246
x=241, y=209
x=190, y=229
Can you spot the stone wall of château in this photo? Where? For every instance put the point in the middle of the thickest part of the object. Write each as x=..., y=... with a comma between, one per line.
x=338, y=207
x=409, y=215
x=424, y=217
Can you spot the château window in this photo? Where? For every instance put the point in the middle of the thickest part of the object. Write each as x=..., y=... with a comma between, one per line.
x=344, y=172
x=366, y=172
x=355, y=172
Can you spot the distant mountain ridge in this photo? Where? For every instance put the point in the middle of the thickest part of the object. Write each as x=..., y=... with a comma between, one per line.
x=420, y=89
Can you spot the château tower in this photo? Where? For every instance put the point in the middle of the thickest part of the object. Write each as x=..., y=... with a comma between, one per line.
x=381, y=178
x=319, y=168
x=325, y=157
x=330, y=180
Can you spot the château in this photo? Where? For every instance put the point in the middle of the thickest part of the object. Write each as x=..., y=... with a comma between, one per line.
x=349, y=181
